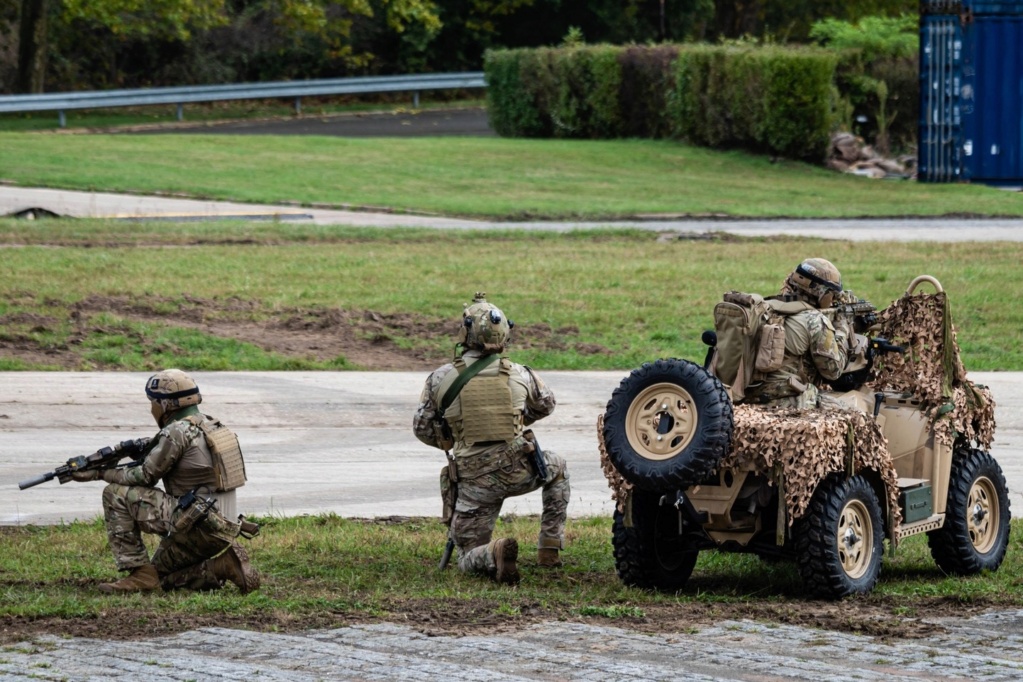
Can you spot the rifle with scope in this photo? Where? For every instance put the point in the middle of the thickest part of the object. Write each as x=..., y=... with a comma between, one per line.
x=104, y=458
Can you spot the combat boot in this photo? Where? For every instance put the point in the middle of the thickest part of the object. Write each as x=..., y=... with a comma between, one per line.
x=548, y=557
x=234, y=565
x=506, y=551
x=141, y=579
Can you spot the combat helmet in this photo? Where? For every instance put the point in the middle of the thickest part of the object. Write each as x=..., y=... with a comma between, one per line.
x=172, y=389
x=815, y=280
x=484, y=326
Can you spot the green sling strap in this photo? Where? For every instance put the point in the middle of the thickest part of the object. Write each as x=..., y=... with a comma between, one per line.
x=463, y=378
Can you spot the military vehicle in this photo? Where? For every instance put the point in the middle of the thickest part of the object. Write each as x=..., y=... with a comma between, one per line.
x=902, y=451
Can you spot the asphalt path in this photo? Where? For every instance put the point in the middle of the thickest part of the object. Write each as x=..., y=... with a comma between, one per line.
x=319, y=442
x=14, y=200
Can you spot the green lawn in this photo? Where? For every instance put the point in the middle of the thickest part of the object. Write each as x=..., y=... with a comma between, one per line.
x=324, y=570
x=612, y=299
x=485, y=177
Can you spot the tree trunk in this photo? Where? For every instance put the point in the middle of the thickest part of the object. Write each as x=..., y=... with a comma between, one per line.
x=32, y=46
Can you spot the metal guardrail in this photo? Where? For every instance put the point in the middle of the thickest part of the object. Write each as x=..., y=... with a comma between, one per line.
x=97, y=99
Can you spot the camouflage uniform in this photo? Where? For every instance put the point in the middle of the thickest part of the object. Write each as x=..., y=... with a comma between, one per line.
x=814, y=349
x=491, y=471
x=132, y=506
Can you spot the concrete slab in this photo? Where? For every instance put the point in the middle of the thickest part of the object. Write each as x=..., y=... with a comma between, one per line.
x=319, y=442
x=110, y=205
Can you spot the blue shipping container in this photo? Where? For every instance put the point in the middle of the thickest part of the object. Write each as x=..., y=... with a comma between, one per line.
x=971, y=92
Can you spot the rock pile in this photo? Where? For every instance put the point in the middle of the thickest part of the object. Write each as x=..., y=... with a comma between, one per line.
x=849, y=154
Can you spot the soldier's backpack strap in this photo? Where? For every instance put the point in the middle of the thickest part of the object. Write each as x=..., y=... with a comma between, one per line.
x=463, y=378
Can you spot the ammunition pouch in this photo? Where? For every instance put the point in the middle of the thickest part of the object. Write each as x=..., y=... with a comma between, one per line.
x=448, y=492
x=504, y=457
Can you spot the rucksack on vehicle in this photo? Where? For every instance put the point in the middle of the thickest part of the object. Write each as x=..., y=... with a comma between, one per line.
x=750, y=339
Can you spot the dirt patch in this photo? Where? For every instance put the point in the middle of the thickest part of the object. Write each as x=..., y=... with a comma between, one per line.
x=366, y=339
x=463, y=617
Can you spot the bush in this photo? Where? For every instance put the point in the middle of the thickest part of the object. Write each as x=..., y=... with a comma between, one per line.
x=771, y=99
x=645, y=93
x=766, y=99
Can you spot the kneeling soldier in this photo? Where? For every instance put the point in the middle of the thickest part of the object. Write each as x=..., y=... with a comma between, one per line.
x=200, y=463
x=479, y=405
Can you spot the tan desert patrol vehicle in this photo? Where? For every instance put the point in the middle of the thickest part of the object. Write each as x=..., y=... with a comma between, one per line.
x=903, y=451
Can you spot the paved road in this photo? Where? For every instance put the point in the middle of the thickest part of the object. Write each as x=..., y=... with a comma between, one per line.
x=324, y=441
x=988, y=647
x=126, y=206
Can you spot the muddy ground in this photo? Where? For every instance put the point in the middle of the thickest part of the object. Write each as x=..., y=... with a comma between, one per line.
x=367, y=339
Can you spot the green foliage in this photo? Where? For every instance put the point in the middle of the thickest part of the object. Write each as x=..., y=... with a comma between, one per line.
x=147, y=18
x=514, y=83
x=874, y=37
x=877, y=76
x=768, y=99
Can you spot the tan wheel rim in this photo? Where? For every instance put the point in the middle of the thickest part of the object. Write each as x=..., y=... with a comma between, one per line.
x=982, y=515
x=661, y=421
x=855, y=539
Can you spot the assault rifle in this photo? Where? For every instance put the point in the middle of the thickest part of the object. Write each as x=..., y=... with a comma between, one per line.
x=104, y=458
x=862, y=312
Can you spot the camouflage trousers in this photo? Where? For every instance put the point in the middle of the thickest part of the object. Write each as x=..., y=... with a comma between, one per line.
x=479, y=505
x=181, y=558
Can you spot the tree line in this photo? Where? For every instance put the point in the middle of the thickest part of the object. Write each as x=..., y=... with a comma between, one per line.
x=62, y=45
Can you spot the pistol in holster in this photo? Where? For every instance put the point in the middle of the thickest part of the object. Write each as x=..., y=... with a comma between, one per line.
x=442, y=432
x=194, y=508
x=535, y=456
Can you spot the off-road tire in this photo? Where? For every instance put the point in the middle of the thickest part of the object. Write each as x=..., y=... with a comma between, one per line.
x=839, y=542
x=976, y=531
x=668, y=425
x=651, y=555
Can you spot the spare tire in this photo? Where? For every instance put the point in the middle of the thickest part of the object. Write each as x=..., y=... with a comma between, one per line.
x=668, y=425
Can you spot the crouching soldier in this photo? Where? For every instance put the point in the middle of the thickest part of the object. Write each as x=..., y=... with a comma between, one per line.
x=478, y=407
x=200, y=464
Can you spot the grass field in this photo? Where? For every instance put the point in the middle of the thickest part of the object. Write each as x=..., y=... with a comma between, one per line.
x=325, y=570
x=485, y=177
x=602, y=300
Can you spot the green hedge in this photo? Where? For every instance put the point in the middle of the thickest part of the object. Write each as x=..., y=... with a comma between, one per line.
x=767, y=99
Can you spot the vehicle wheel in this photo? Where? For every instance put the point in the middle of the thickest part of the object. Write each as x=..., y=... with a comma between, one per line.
x=840, y=541
x=976, y=531
x=651, y=554
x=667, y=425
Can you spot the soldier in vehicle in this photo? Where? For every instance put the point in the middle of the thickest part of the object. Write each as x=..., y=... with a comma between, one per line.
x=479, y=407
x=199, y=462
x=817, y=346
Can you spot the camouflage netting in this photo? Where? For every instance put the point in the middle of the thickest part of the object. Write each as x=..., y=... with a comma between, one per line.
x=615, y=481
x=808, y=445
x=932, y=370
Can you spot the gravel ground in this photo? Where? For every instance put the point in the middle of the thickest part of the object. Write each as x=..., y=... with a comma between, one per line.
x=986, y=647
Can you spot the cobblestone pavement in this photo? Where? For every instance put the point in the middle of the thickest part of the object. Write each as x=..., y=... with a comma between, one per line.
x=986, y=647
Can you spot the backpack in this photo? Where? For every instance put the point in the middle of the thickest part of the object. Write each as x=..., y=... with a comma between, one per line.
x=750, y=339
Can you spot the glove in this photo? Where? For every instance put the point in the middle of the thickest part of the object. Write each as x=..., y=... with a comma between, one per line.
x=85, y=476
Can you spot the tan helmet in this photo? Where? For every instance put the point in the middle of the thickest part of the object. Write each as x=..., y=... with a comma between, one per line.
x=484, y=326
x=173, y=390
x=815, y=280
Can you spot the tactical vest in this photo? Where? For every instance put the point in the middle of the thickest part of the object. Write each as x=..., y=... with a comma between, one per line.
x=486, y=412
x=228, y=463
